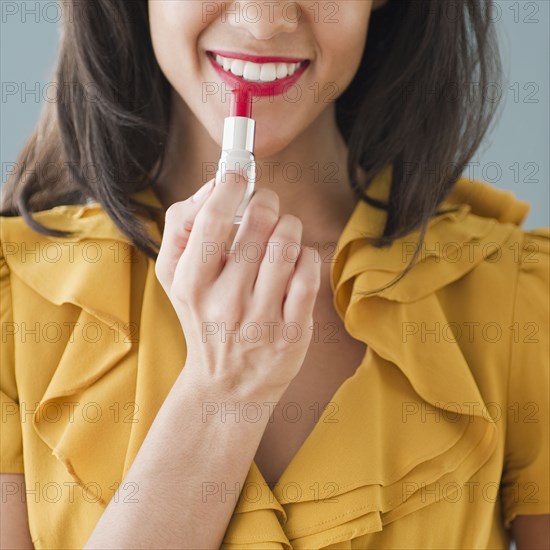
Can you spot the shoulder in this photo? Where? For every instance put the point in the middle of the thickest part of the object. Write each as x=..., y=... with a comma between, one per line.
x=87, y=226
x=84, y=221
x=499, y=250
x=481, y=245
x=484, y=262
x=533, y=253
x=489, y=207
x=69, y=269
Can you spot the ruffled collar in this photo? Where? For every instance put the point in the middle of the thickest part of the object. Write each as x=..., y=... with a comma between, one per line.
x=449, y=241
x=334, y=489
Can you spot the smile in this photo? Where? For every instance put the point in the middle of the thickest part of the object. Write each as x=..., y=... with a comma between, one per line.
x=268, y=75
x=257, y=72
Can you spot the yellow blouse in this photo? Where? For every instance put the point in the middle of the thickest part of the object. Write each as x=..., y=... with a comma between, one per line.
x=440, y=437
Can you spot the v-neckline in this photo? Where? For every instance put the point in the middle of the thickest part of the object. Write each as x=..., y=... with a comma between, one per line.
x=317, y=429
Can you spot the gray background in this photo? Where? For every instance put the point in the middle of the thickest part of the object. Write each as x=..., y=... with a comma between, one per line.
x=515, y=155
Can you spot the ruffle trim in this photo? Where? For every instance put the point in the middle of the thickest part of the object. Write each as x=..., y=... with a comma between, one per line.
x=337, y=487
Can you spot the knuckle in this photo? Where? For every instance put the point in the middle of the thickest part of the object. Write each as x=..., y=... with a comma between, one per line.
x=216, y=312
x=283, y=259
x=261, y=217
x=288, y=254
x=173, y=213
x=267, y=197
x=306, y=287
x=212, y=212
x=211, y=221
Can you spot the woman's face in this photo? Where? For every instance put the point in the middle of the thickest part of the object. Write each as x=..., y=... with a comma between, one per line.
x=327, y=36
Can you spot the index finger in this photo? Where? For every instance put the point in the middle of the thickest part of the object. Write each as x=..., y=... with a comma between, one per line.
x=212, y=229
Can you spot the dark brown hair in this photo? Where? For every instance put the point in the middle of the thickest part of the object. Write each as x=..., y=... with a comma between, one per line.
x=410, y=105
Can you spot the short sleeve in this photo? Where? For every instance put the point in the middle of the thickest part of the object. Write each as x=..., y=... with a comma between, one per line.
x=525, y=488
x=11, y=446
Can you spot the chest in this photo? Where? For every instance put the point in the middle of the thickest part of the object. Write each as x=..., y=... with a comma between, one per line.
x=333, y=357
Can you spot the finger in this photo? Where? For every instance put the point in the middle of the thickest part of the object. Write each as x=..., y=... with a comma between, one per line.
x=178, y=223
x=303, y=288
x=212, y=229
x=249, y=247
x=278, y=264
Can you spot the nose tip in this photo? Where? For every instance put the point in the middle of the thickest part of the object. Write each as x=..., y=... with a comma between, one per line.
x=264, y=20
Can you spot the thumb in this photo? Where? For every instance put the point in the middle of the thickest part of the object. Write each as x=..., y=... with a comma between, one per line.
x=177, y=228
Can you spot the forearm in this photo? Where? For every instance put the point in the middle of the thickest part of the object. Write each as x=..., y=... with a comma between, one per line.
x=179, y=471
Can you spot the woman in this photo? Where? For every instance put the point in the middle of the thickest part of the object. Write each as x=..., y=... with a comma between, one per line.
x=381, y=399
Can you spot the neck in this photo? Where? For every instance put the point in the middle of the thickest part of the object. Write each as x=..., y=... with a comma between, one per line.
x=310, y=175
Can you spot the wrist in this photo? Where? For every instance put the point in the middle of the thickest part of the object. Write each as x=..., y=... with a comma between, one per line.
x=227, y=389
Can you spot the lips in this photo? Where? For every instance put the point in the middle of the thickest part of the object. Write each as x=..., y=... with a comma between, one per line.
x=261, y=75
x=257, y=58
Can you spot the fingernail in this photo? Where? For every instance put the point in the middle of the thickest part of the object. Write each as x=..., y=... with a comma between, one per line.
x=203, y=191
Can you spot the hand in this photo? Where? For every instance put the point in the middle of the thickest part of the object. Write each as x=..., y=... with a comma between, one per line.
x=264, y=292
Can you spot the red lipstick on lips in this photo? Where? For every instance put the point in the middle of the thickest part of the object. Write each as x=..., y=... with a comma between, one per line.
x=257, y=88
x=257, y=58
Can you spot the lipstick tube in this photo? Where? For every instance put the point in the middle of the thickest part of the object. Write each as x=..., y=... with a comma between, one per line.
x=238, y=146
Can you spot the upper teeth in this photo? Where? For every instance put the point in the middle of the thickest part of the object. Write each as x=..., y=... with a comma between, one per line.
x=254, y=72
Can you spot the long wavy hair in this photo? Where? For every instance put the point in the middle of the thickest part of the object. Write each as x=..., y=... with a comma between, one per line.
x=411, y=105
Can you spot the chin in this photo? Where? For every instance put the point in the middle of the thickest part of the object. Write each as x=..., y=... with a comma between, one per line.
x=270, y=145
